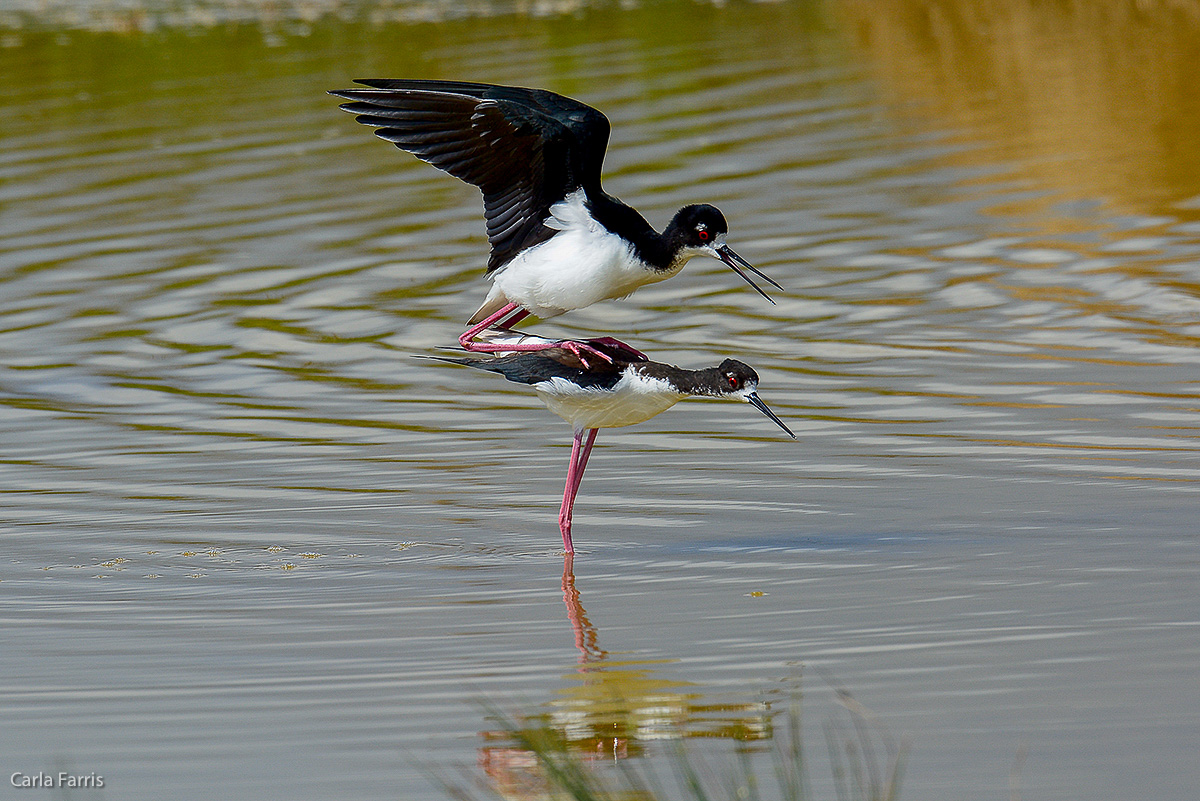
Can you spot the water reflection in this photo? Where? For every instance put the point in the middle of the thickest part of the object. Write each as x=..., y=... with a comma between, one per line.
x=1094, y=102
x=626, y=703
x=212, y=285
x=586, y=637
x=612, y=709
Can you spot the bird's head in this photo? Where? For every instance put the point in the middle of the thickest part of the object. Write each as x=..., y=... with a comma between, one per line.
x=699, y=230
x=734, y=379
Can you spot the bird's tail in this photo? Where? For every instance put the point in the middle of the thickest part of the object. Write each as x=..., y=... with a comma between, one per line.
x=494, y=302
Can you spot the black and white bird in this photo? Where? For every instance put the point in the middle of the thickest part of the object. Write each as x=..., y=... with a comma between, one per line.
x=558, y=241
x=610, y=393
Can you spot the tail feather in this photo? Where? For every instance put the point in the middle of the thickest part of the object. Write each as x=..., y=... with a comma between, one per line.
x=521, y=368
x=495, y=302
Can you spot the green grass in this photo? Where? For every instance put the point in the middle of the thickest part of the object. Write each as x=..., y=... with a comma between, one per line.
x=866, y=763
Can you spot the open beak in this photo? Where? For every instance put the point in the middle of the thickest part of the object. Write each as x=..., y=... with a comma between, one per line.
x=753, y=399
x=739, y=265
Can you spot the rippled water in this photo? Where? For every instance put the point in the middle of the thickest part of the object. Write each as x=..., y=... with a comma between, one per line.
x=253, y=548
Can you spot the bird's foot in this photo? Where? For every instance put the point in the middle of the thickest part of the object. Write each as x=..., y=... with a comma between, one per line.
x=602, y=350
x=589, y=355
x=627, y=351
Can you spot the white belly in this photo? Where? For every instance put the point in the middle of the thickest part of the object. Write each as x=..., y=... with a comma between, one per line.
x=633, y=400
x=582, y=264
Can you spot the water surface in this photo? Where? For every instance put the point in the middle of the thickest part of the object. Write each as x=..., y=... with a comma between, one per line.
x=253, y=547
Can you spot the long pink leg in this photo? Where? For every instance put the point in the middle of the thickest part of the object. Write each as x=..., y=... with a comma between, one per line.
x=586, y=637
x=585, y=452
x=517, y=315
x=580, y=451
x=510, y=315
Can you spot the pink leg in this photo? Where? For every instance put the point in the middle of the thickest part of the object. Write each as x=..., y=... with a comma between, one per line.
x=586, y=354
x=517, y=315
x=585, y=633
x=580, y=451
x=636, y=354
x=511, y=314
x=585, y=452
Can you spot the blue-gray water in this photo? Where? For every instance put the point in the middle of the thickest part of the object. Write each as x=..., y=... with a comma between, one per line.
x=253, y=549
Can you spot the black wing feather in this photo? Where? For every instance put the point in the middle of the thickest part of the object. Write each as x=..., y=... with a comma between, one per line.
x=534, y=367
x=526, y=149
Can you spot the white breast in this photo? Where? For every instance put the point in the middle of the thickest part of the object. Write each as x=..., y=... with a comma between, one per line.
x=582, y=264
x=634, y=399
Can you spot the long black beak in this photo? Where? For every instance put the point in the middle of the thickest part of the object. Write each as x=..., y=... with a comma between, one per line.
x=753, y=399
x=737, y=264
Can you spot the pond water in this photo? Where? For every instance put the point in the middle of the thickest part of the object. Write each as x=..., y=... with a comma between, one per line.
x=254, y=549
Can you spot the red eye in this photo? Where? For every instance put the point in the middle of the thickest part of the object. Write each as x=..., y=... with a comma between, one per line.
x=732, y=379
x=703, y=235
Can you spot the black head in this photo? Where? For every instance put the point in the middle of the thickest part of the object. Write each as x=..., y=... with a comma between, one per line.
x=734, y=376
x=698, y=226
x=738, y=379
x=701, y=229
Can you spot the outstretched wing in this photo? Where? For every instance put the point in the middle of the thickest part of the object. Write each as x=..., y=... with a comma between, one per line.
x=526, y=149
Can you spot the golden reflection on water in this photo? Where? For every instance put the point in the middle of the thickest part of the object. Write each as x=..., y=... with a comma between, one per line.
x=1074, y=126
x=612, y=709
x=1087, y=100
x=213, y=280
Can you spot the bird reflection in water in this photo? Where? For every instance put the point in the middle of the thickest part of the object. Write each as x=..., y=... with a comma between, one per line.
x=586, y=638
x=611, y=710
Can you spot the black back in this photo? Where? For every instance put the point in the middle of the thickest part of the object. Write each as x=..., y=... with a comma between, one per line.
x=526, y=149
x=534, y=367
